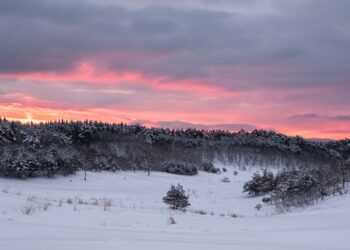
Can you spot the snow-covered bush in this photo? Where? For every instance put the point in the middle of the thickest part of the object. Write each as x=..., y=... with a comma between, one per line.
x=28, y=209
x=107, y=204
x=225, y=180
x=172, y=221
x=201, y=212
x=260, y=184
x=209, y=168
x=176, y=197
x=258, y=206
x=180, y=168
x=295, y=188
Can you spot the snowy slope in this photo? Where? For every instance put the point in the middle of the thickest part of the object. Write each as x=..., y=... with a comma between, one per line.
x=125, y=211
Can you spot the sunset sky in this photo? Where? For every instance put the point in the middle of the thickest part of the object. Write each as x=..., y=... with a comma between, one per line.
x=226, y=64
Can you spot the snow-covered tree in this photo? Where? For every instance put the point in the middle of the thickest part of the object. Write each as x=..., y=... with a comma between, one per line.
x=180, y=168
x=176, y=197
x=260, y=184
x=295, y=188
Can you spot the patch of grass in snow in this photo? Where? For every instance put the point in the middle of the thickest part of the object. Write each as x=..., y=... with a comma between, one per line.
x=28, y=209
x=107, y=204
x=5, y=190
x=201, y=212
x=172, y=221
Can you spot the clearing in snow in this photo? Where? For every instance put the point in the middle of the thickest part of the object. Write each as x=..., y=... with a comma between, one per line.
x=124, y=210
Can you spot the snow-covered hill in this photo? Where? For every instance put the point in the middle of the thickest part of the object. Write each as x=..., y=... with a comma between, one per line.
x=125, y=211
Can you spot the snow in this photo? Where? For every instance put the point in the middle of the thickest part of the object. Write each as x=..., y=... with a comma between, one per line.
x=124, y=210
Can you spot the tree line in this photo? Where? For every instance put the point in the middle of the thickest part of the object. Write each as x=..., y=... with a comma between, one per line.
x=63, y=147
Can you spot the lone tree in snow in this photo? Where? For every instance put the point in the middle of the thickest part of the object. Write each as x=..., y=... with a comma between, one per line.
x=176, y=197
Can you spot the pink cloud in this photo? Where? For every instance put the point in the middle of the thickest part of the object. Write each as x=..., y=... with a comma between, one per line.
x=94, y=92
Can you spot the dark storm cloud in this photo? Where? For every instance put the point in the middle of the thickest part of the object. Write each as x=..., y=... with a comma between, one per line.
x=295, y=43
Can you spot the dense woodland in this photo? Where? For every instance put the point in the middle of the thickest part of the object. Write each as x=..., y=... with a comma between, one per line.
x=46, y=149
x=63, y=147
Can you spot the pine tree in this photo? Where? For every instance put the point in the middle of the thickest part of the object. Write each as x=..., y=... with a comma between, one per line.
x=176, y=197
x=260, y=184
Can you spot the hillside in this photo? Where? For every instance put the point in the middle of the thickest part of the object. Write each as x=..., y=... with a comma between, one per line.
x=30, y=150
x=124, y=210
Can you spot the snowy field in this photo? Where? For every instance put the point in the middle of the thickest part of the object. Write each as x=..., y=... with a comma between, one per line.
x=125, y=211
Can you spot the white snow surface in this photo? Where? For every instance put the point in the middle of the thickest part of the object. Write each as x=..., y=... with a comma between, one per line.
x=124, y=210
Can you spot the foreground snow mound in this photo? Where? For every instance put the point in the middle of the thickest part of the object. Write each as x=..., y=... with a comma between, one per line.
x=125, y=211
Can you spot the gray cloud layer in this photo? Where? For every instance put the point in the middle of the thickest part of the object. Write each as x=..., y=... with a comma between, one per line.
x=313, y=116
x=292, y=43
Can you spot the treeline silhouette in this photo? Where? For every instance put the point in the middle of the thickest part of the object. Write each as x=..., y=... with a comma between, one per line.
x=62, y=147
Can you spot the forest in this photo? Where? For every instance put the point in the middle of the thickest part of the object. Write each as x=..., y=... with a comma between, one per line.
x=64, y=147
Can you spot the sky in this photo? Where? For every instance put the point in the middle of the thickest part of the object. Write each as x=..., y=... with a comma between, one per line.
x=282, y=65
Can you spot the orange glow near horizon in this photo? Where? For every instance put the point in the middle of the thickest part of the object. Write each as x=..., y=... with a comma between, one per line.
x=193, y=101
x=37, y=115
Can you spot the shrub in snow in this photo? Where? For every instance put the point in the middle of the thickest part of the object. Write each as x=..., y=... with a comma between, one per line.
x=60, y=202
x=209, y=168
x=180, y=168
x=107, y=204
x=28, y=209
x=5, y=190
x=260, y=184
x=176, y=197
x=266, y=200
x=31, y=198
x=233, y=215
x=201, y=212
x=46, y=206
x=295, y=188
x=258, y=206
x=172, y=221
x=225, y=179
x=94, y=202
x=224, y=170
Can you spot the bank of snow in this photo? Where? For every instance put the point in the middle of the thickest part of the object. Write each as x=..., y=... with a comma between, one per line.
x=125, y=211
